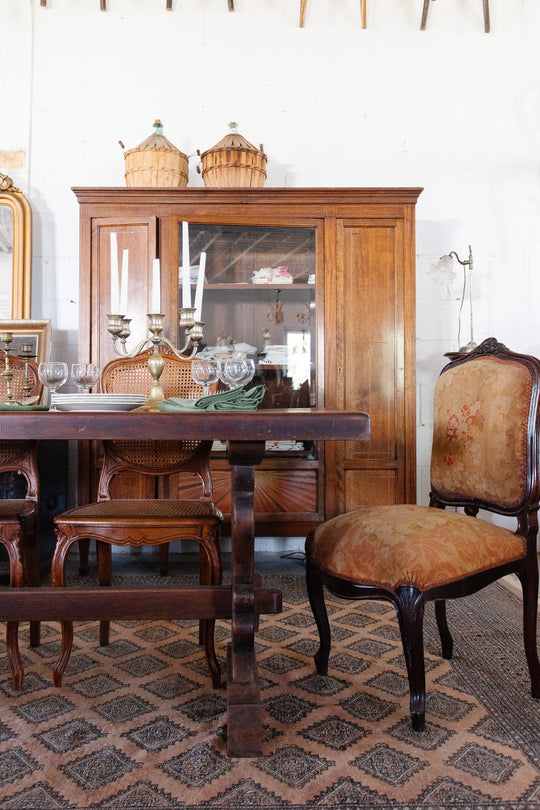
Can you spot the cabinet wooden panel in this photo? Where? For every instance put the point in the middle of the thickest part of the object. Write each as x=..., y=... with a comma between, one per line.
x=351, y=255
x=137, y=235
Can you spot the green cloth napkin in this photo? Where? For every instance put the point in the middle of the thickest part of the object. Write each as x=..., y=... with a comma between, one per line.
x=235, y=399
x=15, y=406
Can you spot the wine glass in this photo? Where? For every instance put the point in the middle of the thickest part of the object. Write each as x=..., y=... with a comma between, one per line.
x=84, y=375
x=236, y=371
x=205, y=373
x=53, y=375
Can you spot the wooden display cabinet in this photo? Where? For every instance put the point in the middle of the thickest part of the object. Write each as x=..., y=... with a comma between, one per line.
x=344, y=327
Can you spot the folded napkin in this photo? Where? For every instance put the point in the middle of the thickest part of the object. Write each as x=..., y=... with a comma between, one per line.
x=16, y=406
x=235, y=399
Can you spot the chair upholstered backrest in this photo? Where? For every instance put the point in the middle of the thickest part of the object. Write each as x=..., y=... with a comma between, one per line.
x=485, y=430
x=154, y=457
x=21, y=456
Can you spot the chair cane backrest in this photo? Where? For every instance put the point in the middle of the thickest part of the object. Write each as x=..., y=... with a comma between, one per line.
x=153, y=457
x=485, y=431
x=21, y=456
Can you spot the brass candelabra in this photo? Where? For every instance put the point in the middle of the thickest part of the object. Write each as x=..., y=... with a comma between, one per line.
x=27, y=354
x=119, y=328
x=7, y=374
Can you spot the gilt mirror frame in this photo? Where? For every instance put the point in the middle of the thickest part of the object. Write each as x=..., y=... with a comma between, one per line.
x=21, y=212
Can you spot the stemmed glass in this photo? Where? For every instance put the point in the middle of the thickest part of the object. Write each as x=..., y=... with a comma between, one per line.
x=84, y=375
x=53, y=375
x=236, y=372
x=205, y=373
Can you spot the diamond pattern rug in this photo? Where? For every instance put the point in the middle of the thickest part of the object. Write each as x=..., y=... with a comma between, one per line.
x=137, y=724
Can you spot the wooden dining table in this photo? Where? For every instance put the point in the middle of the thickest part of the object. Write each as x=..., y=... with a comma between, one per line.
x=244, y=599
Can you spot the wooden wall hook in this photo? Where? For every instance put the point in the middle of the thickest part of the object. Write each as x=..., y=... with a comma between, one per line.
x=303, y=4
x=485, y=6
x=363, y=11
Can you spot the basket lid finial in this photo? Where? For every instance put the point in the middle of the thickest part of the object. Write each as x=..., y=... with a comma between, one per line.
x=158, y=127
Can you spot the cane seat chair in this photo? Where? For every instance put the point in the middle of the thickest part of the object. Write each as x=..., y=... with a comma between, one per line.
x=19, y=516
x=484, y=456
x=145, y=521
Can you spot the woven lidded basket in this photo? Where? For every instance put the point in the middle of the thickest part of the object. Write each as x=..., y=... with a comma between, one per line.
x=233, y=163
x=156, y=162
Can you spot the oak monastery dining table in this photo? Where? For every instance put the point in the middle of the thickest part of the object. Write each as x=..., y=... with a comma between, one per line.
x=245, y=435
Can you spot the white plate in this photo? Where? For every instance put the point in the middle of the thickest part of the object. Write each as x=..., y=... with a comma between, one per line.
x=97, y=406
x=98, y=399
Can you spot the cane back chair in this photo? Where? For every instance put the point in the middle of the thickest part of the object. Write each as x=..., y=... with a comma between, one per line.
x=484, y=456
x=145, y=521
x=19, y=516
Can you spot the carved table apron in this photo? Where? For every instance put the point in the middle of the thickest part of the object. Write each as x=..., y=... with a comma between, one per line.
x=245, y=435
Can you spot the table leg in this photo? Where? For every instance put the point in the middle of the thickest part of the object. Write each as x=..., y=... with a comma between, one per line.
x=244, y=717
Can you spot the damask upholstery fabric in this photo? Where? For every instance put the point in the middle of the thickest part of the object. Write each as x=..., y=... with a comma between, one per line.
x=388, y=546
x=479, y=434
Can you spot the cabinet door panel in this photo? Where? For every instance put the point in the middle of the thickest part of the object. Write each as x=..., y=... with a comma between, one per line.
x=371, y=354
x=138, y=237
x=371, y=319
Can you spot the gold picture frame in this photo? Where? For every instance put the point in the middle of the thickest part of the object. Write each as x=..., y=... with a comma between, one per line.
x=18, y=206
x=35, y=332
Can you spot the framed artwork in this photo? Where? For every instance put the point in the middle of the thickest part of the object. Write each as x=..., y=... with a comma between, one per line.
x=34, y=333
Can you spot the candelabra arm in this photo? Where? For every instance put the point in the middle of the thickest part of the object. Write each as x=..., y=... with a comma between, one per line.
x=123, y=352
x=181, y=353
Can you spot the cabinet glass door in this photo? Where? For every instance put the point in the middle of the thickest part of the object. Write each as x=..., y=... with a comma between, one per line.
x=259, y=298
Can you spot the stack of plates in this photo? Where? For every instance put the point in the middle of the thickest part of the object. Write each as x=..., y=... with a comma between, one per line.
x=97, y=402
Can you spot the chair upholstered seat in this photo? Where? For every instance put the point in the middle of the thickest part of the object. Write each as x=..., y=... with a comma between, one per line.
x=389, y=546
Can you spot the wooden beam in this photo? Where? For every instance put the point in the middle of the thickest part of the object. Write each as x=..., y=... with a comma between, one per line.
x=78, y=604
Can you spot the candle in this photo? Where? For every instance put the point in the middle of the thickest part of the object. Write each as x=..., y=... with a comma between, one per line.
x=124, y=283
x=155, y=306
x=186, y=281
x=115, y=291
x=200, y=285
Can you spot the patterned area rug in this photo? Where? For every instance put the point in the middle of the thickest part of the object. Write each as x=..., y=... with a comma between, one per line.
x=137, y=725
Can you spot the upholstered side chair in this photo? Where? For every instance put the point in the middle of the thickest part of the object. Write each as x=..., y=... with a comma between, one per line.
x=19, y=516
x=155, y=521
x=484, y=457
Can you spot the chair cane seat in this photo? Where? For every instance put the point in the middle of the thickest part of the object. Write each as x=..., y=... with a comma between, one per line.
x=14, y=508
x=389, y=546
x=19, y=517
x=141, y=511
x=112, y=521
